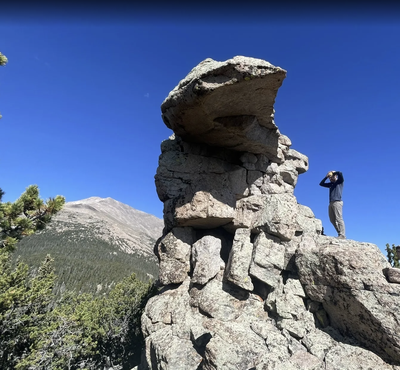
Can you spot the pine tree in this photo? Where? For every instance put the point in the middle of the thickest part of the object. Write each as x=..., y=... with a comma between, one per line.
x=3, y=60
x=392, y=255
x=24, y=299
x=83, y=331
x=24, y=302
x=26, y=215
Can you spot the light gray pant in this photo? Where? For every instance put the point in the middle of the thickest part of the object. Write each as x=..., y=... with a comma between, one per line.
x=336, y=216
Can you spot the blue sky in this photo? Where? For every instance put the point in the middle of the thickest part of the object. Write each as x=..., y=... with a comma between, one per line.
x=81, y=96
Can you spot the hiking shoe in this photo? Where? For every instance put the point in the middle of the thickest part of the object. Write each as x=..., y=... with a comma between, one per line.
x=341, y=237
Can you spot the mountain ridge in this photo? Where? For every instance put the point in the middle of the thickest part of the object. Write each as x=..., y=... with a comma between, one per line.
x=123, y=221
x=95, y=242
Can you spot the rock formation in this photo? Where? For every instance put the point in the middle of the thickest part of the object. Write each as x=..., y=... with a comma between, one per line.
x=248, y=281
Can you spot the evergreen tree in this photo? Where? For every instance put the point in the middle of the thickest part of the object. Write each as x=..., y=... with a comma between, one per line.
x=26, y=215
x=90, y=332
x=124, y=340
x=24, y=299
x=392, y=256
x=24, y=302
x=3, y=60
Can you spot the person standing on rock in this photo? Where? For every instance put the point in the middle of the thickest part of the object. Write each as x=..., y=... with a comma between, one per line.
x=335, y=200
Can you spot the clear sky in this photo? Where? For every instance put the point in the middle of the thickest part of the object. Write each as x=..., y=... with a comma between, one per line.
x=81, y=96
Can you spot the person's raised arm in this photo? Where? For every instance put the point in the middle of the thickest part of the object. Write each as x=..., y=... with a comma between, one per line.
x=322, y=183
x=340, y=178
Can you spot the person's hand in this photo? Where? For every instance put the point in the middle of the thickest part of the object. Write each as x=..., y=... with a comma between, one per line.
x=330, y=174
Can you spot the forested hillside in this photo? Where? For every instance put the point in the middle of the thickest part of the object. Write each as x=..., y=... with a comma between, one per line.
x=83, y=262
x=90, y=256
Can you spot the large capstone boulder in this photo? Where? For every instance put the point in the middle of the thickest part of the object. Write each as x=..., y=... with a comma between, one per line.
x=227, y=104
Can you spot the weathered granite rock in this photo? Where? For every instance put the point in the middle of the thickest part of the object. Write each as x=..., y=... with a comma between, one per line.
x=247, y=281
x=268, y=260
x=227, y=104
x=206, y=259
x=237, y=270
x=348, y=279
x=198, y=185
x=392, y=274
x=167, y=324
x=174, y=252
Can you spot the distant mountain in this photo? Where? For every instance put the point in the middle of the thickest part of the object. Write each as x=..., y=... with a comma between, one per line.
x=133, y=230
x=95, y=243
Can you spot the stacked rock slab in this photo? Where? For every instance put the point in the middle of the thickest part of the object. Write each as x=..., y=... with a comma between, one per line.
x=247, y=280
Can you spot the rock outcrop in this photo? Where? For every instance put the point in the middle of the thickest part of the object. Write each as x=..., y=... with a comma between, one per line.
x=248, y=280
